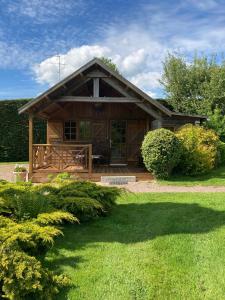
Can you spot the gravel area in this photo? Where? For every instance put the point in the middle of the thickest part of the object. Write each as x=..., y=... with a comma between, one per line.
x=6, y=172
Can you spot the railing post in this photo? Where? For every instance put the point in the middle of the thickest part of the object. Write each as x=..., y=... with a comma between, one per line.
x=90, y=159
x=30, y=145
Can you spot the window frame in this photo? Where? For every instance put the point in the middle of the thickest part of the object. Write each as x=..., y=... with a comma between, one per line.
x=77, y=130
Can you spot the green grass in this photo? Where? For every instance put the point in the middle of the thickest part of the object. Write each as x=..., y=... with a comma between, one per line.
x=153, y=246
x=216, y=177
x=14, y=163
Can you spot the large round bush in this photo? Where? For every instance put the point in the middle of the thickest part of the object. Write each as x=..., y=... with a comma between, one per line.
x=200, y=149
x=161, y=152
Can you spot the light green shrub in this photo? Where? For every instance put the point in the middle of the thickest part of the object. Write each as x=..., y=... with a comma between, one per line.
x=22, y=275
x=161, y=152
x=200, y=149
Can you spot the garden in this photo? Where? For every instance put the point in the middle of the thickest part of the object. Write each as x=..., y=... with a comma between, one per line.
x=31, y=218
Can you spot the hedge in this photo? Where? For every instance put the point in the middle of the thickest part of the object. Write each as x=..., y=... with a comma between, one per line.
x=14, y=131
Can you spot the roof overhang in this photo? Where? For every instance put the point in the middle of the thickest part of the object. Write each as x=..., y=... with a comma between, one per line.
x=151, y=106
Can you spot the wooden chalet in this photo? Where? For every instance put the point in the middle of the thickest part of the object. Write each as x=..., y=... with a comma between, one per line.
x=96, y=122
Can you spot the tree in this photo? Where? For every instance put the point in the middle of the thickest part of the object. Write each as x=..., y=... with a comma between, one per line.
x=109, y=63
x=216, y=122
x=194, y=87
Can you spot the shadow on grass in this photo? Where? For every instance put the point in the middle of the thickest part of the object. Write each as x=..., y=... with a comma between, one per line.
x=132, y=223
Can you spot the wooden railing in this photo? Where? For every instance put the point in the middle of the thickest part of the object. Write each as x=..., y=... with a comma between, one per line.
x=62, y=158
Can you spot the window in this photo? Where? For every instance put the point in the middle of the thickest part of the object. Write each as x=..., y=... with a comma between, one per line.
x=70, y=130
x=84, y=130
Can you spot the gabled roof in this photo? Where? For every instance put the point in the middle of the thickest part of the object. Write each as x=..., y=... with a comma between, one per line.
x=80, y=71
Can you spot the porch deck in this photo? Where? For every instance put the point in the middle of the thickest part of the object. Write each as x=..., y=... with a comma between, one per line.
x=97, y=172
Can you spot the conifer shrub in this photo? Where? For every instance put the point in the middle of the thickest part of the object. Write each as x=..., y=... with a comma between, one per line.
x=161, y=151
x=29, y=224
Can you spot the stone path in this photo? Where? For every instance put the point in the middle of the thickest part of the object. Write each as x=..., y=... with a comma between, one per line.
x=135, y=187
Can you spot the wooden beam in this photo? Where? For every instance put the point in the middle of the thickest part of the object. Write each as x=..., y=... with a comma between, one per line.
x=97, y=74
x=96, y=87
x=77, y=85
x=99, y=99
x=90, y=159
x=112, y=82
x=30, y=145
x=149, y=110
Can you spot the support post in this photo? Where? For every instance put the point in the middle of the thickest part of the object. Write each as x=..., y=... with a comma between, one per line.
x=147, y=125
x=96, y=87
x=90, y=159
x=30, y=145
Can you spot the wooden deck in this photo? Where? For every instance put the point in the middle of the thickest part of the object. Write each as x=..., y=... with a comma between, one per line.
x=141, y=173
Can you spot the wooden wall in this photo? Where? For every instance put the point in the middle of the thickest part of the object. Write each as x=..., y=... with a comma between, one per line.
x=137, y=124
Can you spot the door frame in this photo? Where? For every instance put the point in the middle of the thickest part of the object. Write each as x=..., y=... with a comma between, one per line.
x=124, y=162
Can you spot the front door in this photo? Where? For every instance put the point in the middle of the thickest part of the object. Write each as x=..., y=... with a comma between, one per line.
x=118, y=151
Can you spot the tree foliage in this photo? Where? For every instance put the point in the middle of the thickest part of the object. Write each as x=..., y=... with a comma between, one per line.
x=216, y=122
x=194, y=87
x=109, y=63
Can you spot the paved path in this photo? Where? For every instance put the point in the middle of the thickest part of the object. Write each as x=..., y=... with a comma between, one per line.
x=135, y=187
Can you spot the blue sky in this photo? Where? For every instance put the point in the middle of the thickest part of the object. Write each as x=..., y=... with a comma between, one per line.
x=137, y=35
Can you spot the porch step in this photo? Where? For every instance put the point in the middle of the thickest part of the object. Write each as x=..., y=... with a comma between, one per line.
x=118, y=179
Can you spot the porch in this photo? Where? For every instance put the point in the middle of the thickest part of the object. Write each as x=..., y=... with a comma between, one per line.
x=79, y=161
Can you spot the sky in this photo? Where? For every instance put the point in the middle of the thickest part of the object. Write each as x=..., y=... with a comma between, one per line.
x=136, y=34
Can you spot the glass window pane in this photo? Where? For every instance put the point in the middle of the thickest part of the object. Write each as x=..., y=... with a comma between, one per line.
x=70, y=130
x=85, y=130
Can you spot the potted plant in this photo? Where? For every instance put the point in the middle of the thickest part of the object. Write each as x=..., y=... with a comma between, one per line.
x=20, y=173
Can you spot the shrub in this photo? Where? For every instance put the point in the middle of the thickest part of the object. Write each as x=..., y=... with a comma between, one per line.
x=29, y=216
x=221, y=153
x=200, y=149
x=161, y=152
x=22, y=275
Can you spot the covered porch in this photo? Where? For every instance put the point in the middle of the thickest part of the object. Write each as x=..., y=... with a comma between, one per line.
x=77, y=160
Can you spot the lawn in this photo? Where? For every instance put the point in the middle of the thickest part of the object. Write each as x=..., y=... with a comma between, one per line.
x=14, y=163
x=216, y=177
x=153, y=246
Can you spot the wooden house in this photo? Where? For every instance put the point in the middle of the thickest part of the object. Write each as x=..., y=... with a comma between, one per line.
x=96, y=122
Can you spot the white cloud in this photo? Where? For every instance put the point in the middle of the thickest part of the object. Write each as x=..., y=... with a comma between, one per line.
x=139, y=62
x=43, y=11
x=48, y=70
x=139, y=48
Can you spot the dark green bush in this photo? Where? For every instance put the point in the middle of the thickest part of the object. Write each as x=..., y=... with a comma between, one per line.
x=14, y=131
x=221, y=153
x=161, y=151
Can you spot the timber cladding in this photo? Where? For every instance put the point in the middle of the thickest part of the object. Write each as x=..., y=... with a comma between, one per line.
x=14, y=131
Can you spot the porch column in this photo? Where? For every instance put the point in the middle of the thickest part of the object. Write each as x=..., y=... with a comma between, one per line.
x=156, y=124
x=30, y=144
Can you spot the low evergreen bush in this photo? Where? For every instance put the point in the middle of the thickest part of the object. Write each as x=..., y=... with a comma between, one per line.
x=161, y=151
x=29, y=219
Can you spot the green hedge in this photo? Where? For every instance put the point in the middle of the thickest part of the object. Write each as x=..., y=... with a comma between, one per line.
x=14, y=131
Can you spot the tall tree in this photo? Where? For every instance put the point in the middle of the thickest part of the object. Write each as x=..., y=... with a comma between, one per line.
x=194, y=87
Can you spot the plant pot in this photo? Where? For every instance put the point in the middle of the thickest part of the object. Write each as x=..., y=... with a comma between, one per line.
x=20, y=176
